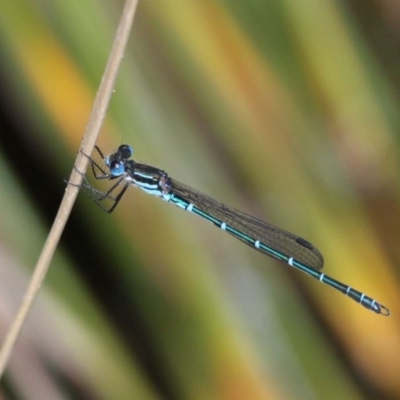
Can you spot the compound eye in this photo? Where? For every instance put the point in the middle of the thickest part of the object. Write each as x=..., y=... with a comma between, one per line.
x=117, y=168
x=126, y=151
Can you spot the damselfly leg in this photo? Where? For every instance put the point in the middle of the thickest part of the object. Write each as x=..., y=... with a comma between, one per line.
x=112, y=194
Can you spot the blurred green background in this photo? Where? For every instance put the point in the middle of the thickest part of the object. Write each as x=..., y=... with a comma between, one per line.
x=288, y=110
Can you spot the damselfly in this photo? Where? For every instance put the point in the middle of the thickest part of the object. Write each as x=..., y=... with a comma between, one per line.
x=259, y=235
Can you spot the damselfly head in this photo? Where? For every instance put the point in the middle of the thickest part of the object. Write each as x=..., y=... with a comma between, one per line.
x=116, y=161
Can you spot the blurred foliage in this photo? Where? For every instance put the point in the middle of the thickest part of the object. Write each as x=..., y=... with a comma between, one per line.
x=287, y=110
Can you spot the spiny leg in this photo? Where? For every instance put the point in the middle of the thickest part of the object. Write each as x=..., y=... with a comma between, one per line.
x=94, y=165
x=118, y=198
x=97, y=195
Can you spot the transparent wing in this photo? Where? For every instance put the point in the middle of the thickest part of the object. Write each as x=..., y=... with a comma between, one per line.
x=280, y=240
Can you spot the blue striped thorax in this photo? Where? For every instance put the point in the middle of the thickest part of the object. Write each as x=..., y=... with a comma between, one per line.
x=150, y=179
